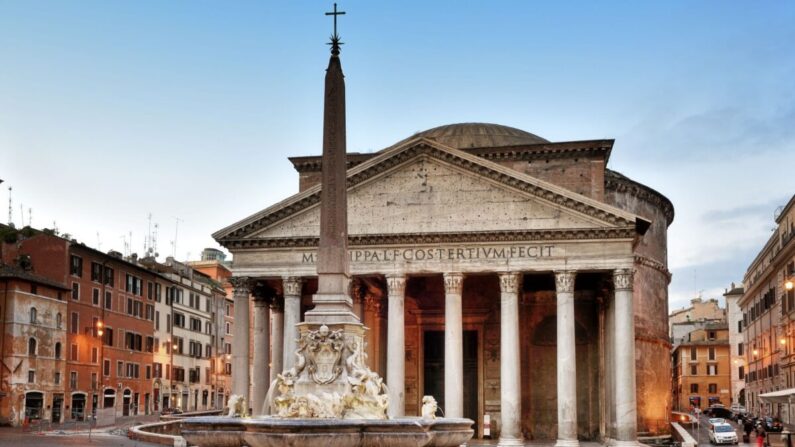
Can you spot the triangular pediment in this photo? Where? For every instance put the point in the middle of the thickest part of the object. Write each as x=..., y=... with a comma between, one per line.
x=423, y=187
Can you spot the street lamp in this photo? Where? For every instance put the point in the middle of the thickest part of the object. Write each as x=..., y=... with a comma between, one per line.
x=789, y=285
x=173, y=397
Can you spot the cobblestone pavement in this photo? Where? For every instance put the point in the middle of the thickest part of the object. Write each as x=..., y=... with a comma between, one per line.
x=17, y=438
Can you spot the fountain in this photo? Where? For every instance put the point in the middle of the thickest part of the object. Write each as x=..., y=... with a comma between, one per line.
x=330, y=397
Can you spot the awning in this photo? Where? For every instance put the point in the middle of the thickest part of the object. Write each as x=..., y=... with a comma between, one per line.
x=778, y=397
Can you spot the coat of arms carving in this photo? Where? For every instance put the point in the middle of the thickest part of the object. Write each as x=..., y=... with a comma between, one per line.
x=324, y=349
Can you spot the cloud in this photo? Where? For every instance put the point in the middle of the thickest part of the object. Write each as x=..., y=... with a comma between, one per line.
x=740, y=213
x=708, y=279
x=714, y=133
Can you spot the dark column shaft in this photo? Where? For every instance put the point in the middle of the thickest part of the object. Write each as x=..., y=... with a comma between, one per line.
x=332, y=302
x=332, y=261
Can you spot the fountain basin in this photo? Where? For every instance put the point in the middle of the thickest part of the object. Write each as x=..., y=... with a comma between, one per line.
x=267, y=431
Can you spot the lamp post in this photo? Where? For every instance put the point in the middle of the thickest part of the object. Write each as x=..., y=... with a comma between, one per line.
x=171, y=376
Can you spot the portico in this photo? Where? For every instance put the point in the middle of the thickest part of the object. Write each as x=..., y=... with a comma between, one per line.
x=529, y=316
x=500, y=294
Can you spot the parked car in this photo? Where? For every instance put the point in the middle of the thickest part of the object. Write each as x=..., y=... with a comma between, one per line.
x=722, y=433
x=772, y=424
x=718, y=412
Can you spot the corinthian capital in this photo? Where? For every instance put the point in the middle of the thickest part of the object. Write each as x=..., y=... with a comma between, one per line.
x=241, y=285
x=453, y=283
x=292, y=285
x=509, y=282
x=564, y=281
x=396, y=285
x=622, y=279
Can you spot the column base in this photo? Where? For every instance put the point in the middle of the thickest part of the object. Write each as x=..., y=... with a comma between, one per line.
x=510, y=441
x=567, y=443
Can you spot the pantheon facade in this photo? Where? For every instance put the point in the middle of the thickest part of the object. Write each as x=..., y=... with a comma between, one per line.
x=519, y=281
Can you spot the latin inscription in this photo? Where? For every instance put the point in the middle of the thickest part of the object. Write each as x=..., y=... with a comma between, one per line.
x=442, y=254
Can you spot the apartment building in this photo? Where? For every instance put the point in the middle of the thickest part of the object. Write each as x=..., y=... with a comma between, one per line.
x=92, y=332
x=768, y=306
x=701, y=373
x=32, y=340
x=188, y=314
x=734, y=320
x=213, y=264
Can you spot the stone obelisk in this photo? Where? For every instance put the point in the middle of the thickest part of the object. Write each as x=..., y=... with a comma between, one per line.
x=333, y=302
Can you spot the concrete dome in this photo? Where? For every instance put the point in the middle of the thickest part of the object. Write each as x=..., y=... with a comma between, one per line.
x=466, y=135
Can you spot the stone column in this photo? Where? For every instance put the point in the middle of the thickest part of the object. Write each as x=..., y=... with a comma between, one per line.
x=262, y=347
x=624, y=354
x=372, y=309
x=292, y=316
x=510, y=374
x=277, y=337
x=567, y=361
x=240, y=343
x=396, y=345
x=357, y=298
x=453, y=346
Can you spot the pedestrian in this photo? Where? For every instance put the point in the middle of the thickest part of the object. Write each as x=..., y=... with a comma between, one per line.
x=748, y=427
x=760, y=435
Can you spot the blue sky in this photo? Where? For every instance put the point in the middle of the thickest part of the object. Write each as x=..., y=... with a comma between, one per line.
x=110, y=111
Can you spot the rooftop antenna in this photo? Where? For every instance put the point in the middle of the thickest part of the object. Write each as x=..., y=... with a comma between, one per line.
x=30, y=217
x=10, y=207
x=99, y=243
x=154, y=242
x=176, y=235
x=126, y=246
x=148, y=239
x=55, y=228
x=21, y=215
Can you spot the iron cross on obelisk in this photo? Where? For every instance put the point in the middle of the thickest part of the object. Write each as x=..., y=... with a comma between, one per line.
x=335, y=38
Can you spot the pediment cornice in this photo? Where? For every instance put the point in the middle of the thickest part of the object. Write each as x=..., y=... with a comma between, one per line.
x=365, y=240
x=421, y=147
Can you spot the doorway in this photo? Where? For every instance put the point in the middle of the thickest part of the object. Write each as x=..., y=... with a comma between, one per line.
x=78, y=406
x=57, y=408
x=34, y=402
x=109, y=398
x=433, y=371
x=125, y=403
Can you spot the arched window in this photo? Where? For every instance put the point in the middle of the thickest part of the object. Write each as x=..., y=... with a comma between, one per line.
x=33, y=314
x=32, y=346
x=58, y=320
x=58, y=350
